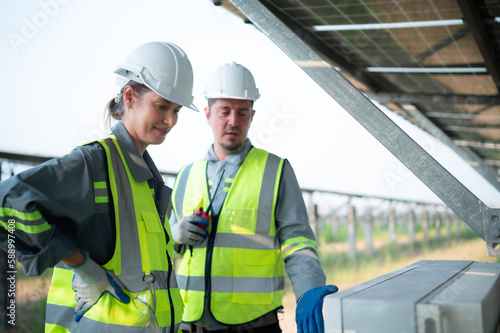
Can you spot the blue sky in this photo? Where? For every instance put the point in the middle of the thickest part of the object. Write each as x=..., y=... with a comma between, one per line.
x=58, y=59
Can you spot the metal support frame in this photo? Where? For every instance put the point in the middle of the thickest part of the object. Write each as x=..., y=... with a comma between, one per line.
x=471, y=129
x=477, y=144
x=380, y=84
x=472, y=17
x=23, y=158
x=434, y=98
x=433, y=49
x=334, y=55
x=483, y=220
x=486, y=171
x=462, y=116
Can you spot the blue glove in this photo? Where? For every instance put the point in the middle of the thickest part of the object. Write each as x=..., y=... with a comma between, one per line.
x=309, y=313
x=190, y=230
x=90, y=282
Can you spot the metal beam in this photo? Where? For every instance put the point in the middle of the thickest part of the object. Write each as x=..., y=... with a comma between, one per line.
x=390, y=25
x=24, y=158
x=483, y=220
x=493, y=162
x=359, y=195
x=485, y=170
x=469, y=129
x=474, y=21
x=433, y=49
x=385, y=97
x=469, y=70
x=463, y=116
x=484, y=108
x=477, y=144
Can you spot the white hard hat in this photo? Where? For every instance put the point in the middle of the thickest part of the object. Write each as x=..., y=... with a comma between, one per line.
x=162, y=67
x=232, y=81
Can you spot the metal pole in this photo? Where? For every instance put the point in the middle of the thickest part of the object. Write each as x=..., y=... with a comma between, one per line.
x=392, y=223
x=351, y=230
x=437, y=221
x=411, y=225
x=447, y=223
x=368, y=228
x=425, y=224
x=483, y=220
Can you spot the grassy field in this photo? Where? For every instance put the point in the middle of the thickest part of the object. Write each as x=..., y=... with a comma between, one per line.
x=344, y=273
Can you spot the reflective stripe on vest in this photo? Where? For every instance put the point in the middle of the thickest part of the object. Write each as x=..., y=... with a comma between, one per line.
x=247, y=278
x=138, y=226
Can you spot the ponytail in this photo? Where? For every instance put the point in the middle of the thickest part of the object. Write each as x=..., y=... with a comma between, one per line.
x=115, y=107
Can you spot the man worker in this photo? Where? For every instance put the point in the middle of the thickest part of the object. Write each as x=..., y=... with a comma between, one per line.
x=231, y=274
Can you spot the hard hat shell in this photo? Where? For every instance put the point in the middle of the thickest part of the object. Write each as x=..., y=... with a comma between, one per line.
x=232, y=80
x=162, y=67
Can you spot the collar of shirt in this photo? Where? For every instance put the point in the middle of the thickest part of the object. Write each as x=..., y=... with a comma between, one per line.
x=236, y=157
x=142, y=167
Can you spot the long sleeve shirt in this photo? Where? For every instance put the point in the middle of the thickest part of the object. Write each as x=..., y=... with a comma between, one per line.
x=61, y=206
x=302, y=267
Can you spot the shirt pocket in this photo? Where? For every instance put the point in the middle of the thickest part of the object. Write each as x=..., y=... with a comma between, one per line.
x=151, y=221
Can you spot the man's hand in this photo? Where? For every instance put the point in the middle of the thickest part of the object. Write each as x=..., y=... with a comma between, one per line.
x=309, y=313
x=189, y=230
x=90, y=282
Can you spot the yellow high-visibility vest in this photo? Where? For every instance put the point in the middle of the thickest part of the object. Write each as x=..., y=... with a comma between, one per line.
x=141, y=250
x=245, y=276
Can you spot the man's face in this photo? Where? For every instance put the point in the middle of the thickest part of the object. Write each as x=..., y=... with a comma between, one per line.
x=230, y=120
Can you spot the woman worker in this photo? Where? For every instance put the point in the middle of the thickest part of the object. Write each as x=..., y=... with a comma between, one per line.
x=98, y=213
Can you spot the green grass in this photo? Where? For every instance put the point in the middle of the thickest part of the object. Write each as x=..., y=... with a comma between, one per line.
x=386, y=254
x=328, y=235
x=341, y=269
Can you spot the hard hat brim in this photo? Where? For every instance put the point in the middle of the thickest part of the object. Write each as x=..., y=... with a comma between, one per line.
x=125, y=76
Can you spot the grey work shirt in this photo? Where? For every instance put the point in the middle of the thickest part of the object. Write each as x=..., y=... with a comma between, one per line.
x=302, y=266
x=62, y=192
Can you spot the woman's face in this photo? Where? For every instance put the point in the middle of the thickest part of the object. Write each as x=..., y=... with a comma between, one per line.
x=148, y=117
